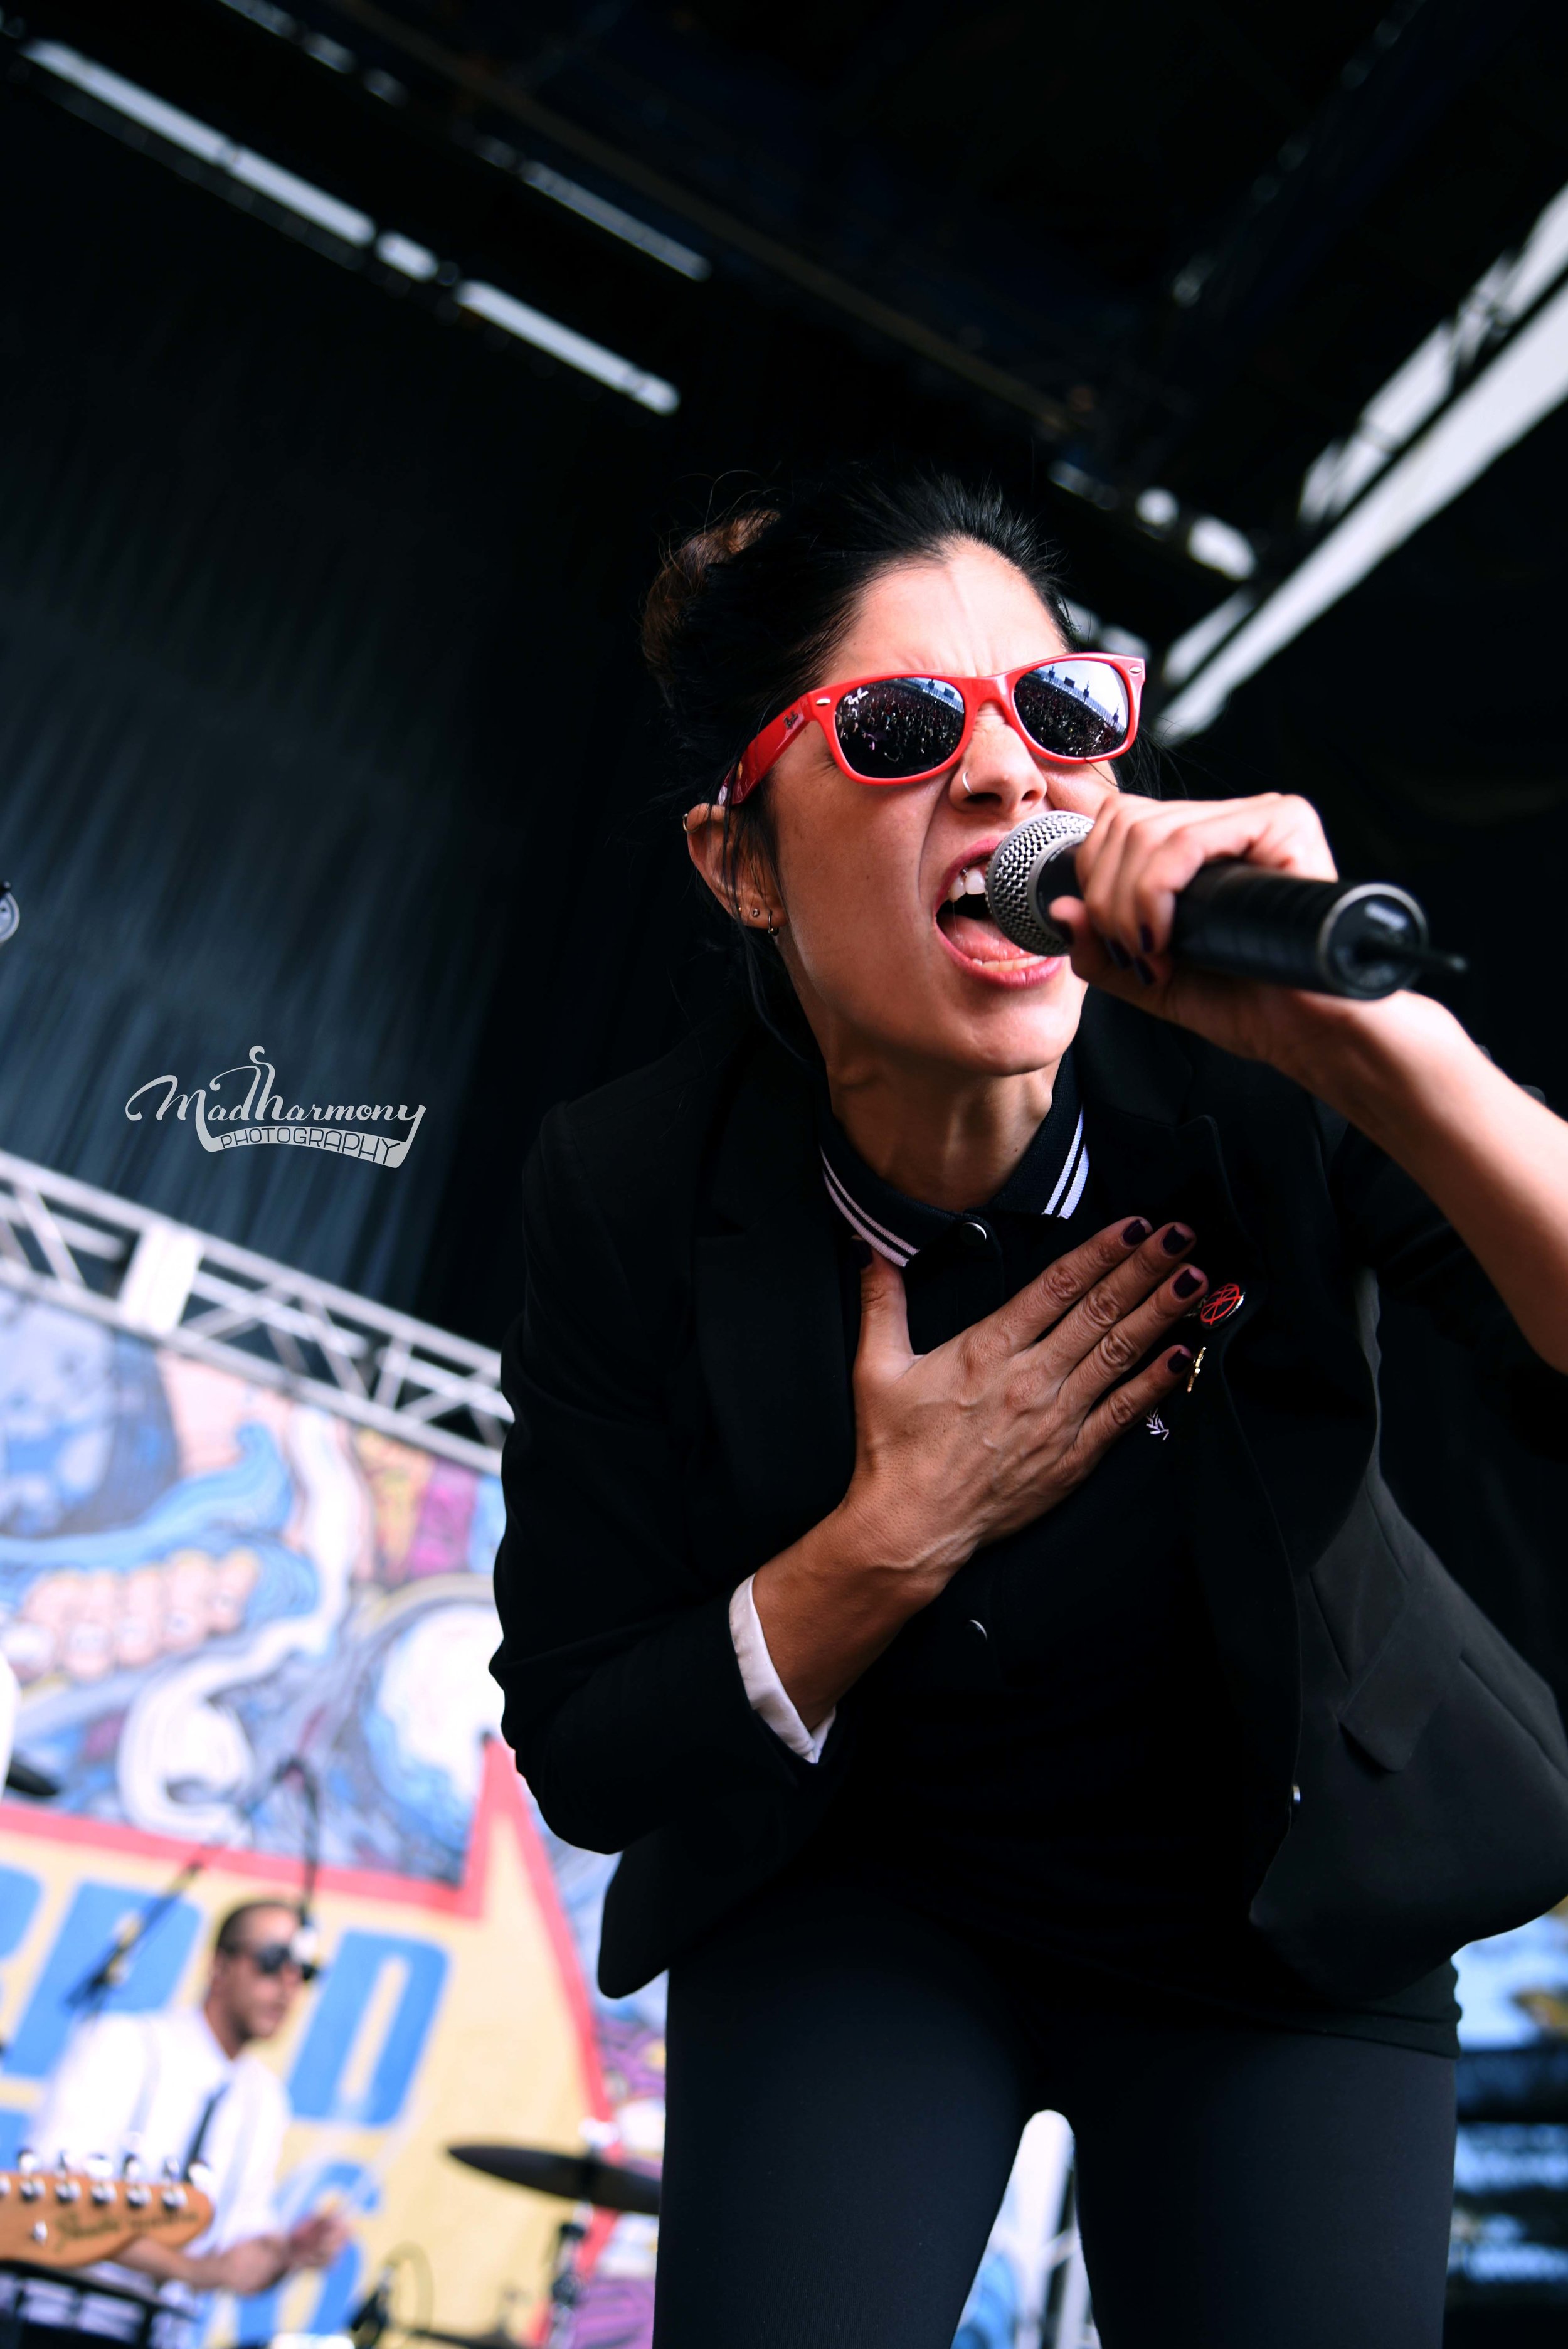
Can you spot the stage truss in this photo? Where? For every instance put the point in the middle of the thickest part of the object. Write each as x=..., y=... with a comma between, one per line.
x=76, y=1246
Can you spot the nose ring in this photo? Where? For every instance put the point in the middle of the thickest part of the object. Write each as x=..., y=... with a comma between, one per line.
x=963, y=778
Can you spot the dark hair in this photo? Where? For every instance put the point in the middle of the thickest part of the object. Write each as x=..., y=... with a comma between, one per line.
x=743, y=618
x=231, y=1932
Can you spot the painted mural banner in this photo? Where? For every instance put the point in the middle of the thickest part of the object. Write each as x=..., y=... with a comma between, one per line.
x=200, y=1576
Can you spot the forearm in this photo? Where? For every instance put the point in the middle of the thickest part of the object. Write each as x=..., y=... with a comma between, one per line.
x=828, y=1606
x=249, y=2267
x=1495, y=1160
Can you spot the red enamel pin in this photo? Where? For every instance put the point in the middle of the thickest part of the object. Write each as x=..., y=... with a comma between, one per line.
x=1220, y=1304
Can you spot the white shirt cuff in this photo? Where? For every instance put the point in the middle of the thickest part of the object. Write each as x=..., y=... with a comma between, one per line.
x=762, y=1684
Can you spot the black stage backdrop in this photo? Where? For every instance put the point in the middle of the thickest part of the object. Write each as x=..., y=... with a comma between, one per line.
x=321, y=720
x=322, y=728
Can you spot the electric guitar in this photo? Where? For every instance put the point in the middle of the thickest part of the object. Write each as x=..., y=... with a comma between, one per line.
x=68, y=2217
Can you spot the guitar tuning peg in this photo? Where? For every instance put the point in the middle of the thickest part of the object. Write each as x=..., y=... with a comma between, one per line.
x=200, y=2175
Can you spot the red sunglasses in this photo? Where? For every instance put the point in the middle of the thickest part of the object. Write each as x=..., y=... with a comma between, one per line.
x=1076, y=709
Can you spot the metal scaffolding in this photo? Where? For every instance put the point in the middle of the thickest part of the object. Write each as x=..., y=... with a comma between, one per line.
x=75, y=1245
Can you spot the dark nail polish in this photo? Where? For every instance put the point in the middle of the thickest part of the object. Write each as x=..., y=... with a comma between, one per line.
x=1187, y=1284
x=1182, y=1360
x=862, y=1254
x=1145, y=975
x=1136, y=1233
x=1118, y=954
x=1146, y=938
x=1177, y=1238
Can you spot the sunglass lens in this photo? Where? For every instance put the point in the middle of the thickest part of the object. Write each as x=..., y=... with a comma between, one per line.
x=899, y=727
x=274, y=1956
x=1075, y=708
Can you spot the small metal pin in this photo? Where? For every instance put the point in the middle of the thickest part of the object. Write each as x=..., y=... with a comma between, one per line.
x=1197, y=1366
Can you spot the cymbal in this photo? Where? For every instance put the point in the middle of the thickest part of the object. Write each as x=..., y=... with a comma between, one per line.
x=571, y=2176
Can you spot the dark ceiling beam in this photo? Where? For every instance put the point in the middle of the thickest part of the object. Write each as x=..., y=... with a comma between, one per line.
x=825, y=286
x=1420, y=61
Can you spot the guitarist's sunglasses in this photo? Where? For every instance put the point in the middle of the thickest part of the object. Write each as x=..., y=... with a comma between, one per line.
x=903, y=730
x=270, y=1957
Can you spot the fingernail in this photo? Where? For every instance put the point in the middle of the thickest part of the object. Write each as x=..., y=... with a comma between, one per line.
x=1182, y=1360
x=1146, y=938
x=1144, y=973
x=862, y=1254
x=1136, y=1233
x=1177, y=1238
x=1118, y=954
x=1187, y=1283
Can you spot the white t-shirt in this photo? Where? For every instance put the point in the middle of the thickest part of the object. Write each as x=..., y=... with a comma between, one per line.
x=152, y=2076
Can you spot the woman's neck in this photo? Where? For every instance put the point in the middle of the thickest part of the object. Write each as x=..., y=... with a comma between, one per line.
x=943, y=1135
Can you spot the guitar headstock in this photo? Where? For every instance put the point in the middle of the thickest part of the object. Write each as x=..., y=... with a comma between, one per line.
x=67, y=2218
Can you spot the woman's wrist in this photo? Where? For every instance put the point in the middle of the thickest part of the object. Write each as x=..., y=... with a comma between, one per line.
x=1388, y=1067
x=830, y=1604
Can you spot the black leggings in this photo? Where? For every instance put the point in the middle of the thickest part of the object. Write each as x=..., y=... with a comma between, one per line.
x=848, y=2083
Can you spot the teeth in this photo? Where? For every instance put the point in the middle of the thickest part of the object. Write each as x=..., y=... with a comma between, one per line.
x=974, y=881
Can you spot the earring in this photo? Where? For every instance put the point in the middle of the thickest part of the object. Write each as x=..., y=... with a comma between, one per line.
x=772, y=926
x=756, y=913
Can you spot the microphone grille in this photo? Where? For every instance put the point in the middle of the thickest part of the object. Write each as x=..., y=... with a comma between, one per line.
x=1013, y=870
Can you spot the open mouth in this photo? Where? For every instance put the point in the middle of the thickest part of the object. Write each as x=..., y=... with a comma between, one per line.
x=964, y=920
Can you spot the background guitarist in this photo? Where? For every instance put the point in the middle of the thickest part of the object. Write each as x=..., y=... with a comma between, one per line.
x=179, y=2087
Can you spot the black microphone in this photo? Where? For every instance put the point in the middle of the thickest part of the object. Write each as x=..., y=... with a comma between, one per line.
x=1361, y=938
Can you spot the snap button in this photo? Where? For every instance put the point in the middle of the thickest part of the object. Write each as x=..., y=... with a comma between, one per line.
x=973, y=1233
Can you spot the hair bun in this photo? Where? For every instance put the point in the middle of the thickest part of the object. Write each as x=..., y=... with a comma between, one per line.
x=682, y=575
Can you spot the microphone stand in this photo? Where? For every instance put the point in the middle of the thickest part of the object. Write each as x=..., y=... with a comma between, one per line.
x=88, y=1994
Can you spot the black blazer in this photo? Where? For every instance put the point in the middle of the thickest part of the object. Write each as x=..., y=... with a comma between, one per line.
x=683, y=1413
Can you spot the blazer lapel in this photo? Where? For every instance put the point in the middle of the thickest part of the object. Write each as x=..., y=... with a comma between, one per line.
x=769, y=1313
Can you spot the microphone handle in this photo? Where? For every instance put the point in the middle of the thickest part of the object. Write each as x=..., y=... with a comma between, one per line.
x=1360, y=938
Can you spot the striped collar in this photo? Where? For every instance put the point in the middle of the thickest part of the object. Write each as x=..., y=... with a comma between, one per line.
x=1048, y=1180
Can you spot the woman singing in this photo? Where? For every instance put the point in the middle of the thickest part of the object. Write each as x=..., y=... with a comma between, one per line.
x=946, y=1547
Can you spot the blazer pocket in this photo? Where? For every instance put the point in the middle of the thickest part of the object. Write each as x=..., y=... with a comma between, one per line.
x=1406, y=1679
